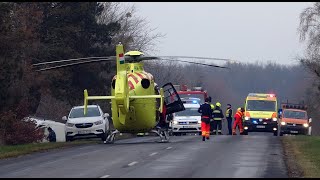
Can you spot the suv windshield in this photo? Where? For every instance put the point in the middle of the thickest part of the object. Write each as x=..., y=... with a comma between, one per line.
x=261, y=105
x=294, y=114
x=78, y=112
x=188, y=112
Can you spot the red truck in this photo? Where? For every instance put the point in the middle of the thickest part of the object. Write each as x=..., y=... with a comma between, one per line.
x=195, y=92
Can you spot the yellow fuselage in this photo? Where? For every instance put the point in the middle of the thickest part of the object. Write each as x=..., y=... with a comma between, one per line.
x=143, y=113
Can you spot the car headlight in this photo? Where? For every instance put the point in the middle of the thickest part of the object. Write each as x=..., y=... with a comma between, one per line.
x=98, y=122
x=199, y=121
x=246, y=118
x=306, y=125
x=274, y=119
x=70, y=124
x=175, y=122
x=283, y=123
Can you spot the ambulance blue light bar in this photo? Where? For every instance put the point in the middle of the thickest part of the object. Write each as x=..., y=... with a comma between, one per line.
x=261, y=95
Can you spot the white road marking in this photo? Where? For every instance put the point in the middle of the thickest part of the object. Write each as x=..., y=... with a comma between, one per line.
x=132, y=163
x=153, y=153
x=168, y=147
x=105, y=176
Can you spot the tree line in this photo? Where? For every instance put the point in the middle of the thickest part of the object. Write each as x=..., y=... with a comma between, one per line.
x=46, y=31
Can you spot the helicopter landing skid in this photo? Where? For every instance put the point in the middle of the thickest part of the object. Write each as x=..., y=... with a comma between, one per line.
x=111, y=137
x=163, y=134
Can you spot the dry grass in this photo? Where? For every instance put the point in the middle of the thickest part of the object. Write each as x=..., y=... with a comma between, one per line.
x=302, y=156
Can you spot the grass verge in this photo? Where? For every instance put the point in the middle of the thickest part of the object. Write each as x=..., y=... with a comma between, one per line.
x=302, y=156
x=8, y=151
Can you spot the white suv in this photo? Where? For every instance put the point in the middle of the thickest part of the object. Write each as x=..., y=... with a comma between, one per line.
x=187, y=121
x=94, y=124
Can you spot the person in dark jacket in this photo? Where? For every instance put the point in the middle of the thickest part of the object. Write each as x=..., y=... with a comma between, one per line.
x=206, y=114
x=229, y=116
x=52, y=135
x=217, y=117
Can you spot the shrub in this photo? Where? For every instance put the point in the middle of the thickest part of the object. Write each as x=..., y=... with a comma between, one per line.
x=14, y=130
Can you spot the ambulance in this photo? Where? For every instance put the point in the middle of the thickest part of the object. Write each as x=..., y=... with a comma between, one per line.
x=261, y=113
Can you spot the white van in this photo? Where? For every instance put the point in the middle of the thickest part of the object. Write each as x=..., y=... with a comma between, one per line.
x=187, y=121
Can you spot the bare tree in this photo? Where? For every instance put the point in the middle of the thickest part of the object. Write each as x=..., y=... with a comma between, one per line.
x=50, y=107
x=310, y=31
x=135, y=32
x=310, y=27
x=166, y=71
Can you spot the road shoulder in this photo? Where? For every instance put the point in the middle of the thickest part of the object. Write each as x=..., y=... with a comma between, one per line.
x=293, y=168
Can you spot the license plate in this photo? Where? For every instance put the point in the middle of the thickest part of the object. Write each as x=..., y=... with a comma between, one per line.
x=293, y=131
x=83, y=132
x=186, y=126
x=261, y=126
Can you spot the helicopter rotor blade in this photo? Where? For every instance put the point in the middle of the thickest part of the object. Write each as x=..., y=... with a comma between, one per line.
x=211, y=65
x=140, y=58
x=194, y=57
x=75, y=59
x=72, y=64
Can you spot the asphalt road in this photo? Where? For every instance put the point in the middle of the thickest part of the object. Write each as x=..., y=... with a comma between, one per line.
x=255, y=155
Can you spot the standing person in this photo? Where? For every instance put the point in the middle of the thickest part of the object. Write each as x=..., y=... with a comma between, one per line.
x=52, y=135
x=238, y=121
x=217, y=119
x=229, y=118
x=212, y=106
x=211, y=120
x=206, y=114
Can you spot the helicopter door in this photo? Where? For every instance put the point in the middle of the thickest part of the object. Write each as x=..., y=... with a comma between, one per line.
x=171, y=99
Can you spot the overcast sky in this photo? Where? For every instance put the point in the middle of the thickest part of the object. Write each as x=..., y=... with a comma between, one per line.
x=245, y=31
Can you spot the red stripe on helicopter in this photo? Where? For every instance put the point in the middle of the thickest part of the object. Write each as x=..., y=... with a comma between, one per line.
x=148, y=75
x=140, y=75
x=134, y=78
x=131, y=85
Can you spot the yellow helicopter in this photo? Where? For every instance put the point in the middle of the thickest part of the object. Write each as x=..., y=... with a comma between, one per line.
x=137, y=101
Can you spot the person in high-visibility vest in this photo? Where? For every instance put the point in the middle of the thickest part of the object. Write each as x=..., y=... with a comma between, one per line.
x=229, y=118
x=211, y=120
x=206, y=114
x=238, y=117
x=217, y=115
